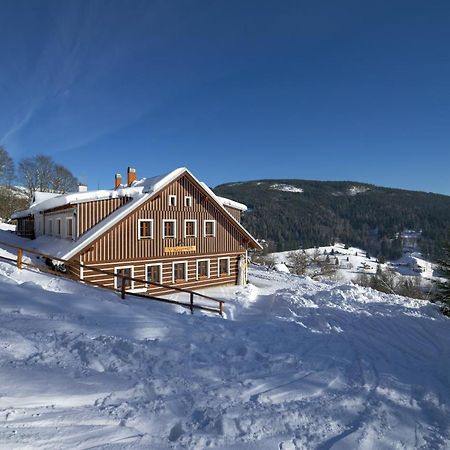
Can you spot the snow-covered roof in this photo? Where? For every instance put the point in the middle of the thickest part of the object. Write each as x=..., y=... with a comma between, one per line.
x=139, y=191
x=231, y=203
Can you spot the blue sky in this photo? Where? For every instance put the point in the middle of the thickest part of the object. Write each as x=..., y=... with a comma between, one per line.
x=348, y=90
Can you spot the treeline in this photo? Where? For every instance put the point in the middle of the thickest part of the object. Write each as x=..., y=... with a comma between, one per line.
x=36, y=173
x=328, y=212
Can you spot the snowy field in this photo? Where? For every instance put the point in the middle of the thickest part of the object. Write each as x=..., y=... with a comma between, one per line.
x=296, y=364
x=353, y=261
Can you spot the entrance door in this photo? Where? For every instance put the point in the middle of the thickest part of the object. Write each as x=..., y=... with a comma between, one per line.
x=179, y=272
x=124, y=278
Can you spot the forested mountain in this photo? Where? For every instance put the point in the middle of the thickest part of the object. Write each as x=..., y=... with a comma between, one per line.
x=298, y=213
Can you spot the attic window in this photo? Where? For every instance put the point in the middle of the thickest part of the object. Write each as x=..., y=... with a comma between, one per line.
x=188, y=201
x=209, y=228
x=172, y=200
x=145, y=229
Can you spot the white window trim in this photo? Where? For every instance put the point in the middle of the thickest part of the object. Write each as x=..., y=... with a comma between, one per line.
x=188, y=199
x=160, y=272
x=139, y=229
x=67, y=234
x=116, y=269
x=204, y=228
x=209, y=267
x=174, y=229
x=218, y=266
x=172, y=196
x=185, y=270
x=195, y=228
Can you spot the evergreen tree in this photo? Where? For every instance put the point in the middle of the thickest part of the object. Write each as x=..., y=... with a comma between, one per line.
x=443, y=287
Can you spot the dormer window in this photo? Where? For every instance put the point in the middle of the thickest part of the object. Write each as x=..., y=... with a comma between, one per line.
x=172, y=200
x=188, y=201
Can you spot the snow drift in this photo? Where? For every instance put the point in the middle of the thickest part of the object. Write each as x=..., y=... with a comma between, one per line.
x=296, y=364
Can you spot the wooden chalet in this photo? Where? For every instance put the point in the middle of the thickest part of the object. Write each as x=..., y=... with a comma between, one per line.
x=171, y=229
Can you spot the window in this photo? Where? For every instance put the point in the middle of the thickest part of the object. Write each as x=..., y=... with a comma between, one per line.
x=169, y=228
x=69, y=227
x=209, y=228
x=202, y=268
x=223, y=266
x=190, y=228
x=179, y=271
x=172, y=200
x=145, y=228
x=58, y=227
x=124, y=278
x=153, y=272
x=188, y=201
x=50, y=226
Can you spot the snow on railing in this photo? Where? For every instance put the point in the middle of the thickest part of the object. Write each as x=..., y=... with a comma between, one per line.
x=19, y=260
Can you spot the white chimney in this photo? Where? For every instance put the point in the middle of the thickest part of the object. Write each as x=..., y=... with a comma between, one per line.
x=82, y=188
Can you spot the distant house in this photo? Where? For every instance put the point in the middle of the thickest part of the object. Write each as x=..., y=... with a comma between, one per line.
x=170, y=229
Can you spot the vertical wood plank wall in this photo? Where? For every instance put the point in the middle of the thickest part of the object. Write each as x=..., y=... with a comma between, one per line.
x=121, y=242
x=120, y=246
x=90, y=214
x=236, y=213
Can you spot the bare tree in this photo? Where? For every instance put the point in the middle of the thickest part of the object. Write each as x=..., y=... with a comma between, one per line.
x=299, y=261
x=6, y=167
x=41, y=173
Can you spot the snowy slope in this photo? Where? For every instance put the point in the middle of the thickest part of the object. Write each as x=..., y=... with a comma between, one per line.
x=410, y=264
x=296, y=364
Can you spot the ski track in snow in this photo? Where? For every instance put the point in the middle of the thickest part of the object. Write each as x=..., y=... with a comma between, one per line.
x=297, y=364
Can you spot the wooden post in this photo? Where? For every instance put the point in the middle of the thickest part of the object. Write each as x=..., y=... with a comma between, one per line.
x=221, y=308
x=192, y=302
x=19, y=258
x=122, y=288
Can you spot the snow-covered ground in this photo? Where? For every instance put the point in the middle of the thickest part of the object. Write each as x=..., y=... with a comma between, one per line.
x=295, y=364
x=286, y=188
x=354, y=261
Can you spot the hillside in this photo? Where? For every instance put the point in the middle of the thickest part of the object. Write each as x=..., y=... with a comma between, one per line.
x=298, y=213
x=12, y=198
x=295, y=364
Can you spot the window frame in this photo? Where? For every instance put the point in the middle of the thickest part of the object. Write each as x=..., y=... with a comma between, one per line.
x=67, y=228
x=186, y=277
x=160, y=273
x=164, y=229
x=185, y=235
x=208, y=260
x=214, y=226
x=116, y=279
x=188, y=199
x=58, y=226
x=226, y=258
x=50, y=227
x=139, y=229
x=170, y=197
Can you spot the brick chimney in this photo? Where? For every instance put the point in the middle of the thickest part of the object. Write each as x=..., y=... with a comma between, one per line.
x=117, y=180
x=131, y=175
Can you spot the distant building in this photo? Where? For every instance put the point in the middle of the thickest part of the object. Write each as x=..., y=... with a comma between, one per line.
x=170, y=229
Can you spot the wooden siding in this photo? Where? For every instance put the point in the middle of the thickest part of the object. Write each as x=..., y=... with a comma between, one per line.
x=90, y=214
x=121, y=242
x=192, y=282
x=236, y=213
